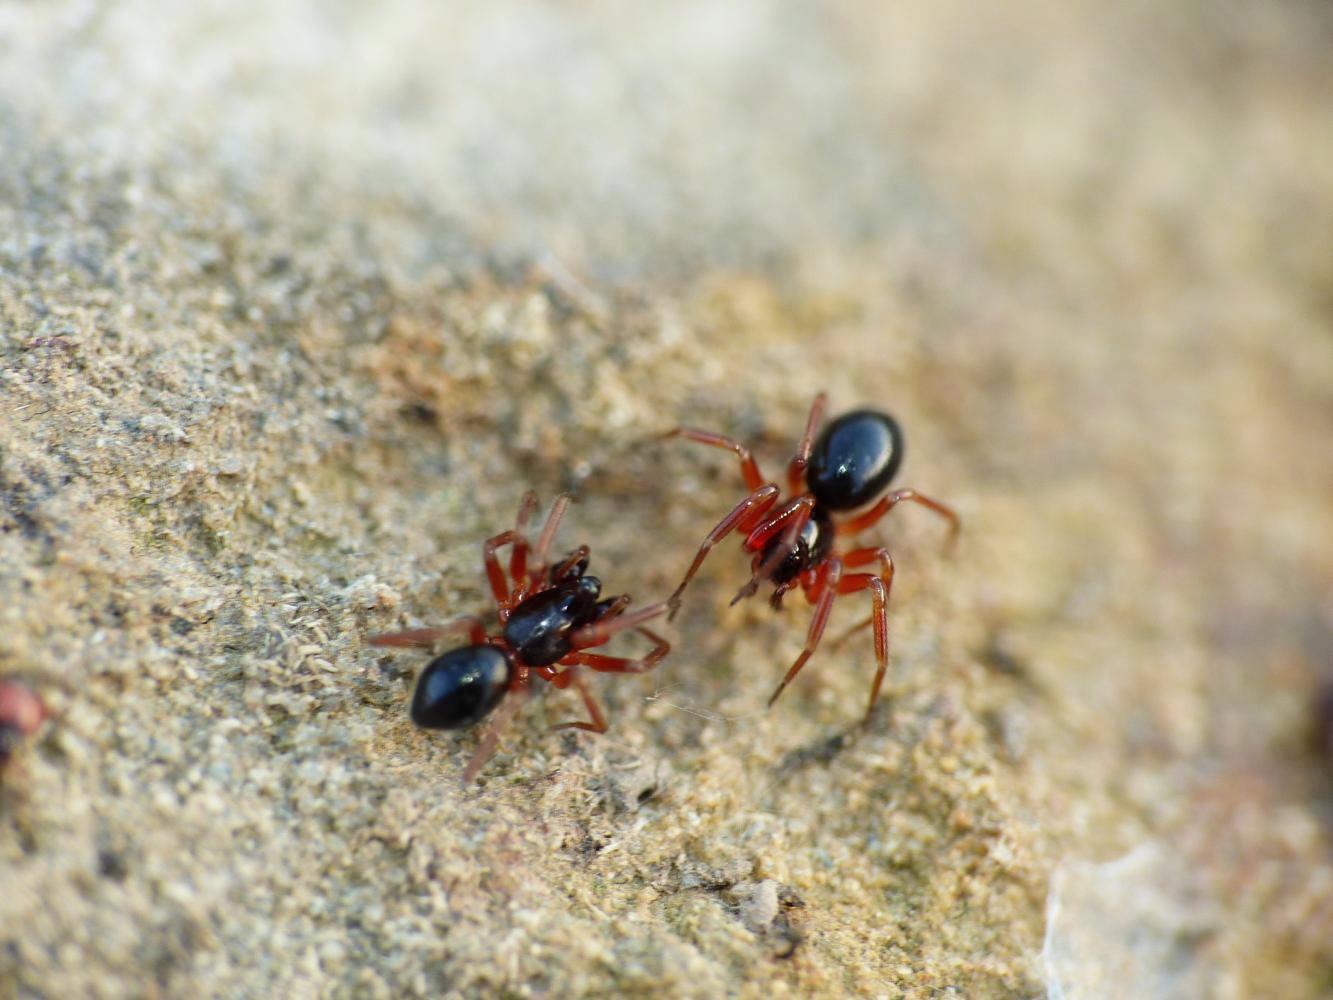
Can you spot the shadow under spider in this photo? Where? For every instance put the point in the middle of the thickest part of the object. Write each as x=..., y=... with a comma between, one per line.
x=821, y=751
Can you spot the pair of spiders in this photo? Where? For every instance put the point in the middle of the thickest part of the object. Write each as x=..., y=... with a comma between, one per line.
x=552, y=613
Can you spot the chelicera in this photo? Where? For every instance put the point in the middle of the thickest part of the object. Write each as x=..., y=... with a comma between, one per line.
x=21, y=715
x=794, y=542
x=550, y=615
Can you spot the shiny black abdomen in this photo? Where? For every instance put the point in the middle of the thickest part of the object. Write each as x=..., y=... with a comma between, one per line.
x=460, y=687
x=812, y=547
x=539, y=629
x=854, y=459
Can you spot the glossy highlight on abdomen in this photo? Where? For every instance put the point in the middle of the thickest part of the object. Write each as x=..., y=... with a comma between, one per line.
x=854, y=459
x=460, y=687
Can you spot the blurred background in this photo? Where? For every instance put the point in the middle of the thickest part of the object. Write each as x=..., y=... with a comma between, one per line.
x=297, y=300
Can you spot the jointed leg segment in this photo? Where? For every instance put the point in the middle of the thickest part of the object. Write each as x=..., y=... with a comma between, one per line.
x=796, y=469
x=605, y=664
x=524, y=568
x=622, y=664
x=749, y=468
x=518, y=694
x=879, y=586
x=518, y=556
x=424, y=638
x=597, y=721
x=791, y=520
x=891, y=500
x=563, y=567
x=602, y=629
x=824, y=591
x=831, y=583
x=494, y=574
x=547, y=536
x=743, y=517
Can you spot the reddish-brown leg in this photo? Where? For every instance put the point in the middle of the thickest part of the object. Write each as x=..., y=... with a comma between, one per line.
x=789, y=520
x=424, y=638
x=795, y=510
x=547, y=536
x=825, y=590
x=864, y=557
x=601, y=630
x=879, y=587
x=622, y=664
x=891, y=500
x=597, y=723
x=494, y=574
x=744, y=516
x=617, y=607
x=796, y=470
x=860, y=557
x=749, y=468
x=564, y=565
x=519, y=689
x=518, y=556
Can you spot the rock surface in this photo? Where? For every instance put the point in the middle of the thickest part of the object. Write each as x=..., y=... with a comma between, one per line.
x=295, y=304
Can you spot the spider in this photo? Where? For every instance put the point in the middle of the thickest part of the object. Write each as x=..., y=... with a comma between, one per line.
x=550, y=615
x=21, y=715
x=793, y=543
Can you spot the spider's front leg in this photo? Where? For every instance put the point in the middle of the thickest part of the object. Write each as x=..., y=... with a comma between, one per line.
x=745, y=516
x=790, y=521
x=624, y=664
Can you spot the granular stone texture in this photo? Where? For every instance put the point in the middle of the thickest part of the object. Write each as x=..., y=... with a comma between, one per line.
x=297, y=301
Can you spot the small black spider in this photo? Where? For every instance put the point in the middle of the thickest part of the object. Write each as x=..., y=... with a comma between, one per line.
x=792, y=543
x=549, y=617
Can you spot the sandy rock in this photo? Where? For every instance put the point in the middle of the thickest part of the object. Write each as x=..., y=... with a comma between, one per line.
x=297, y=301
